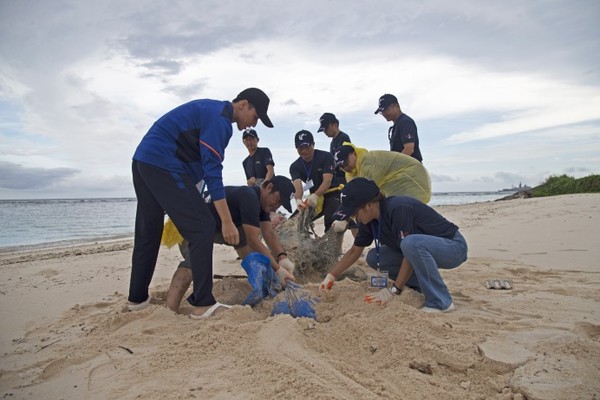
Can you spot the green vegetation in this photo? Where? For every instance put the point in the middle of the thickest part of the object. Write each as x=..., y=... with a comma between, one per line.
x=565, y=184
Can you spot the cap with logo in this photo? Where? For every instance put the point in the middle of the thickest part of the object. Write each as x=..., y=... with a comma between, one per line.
x=325, y=120
x=357, y=192
x=249, y=132
x=259, y=100
x=341, y=154
x=304, y=138
x=286, y=190
x=385, y=101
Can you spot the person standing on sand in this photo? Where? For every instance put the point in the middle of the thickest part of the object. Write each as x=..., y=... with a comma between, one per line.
x=412, y=241
x=330, y=125
x=403, y=134
x=259, y=165
x=250, y=208
x=182, y=148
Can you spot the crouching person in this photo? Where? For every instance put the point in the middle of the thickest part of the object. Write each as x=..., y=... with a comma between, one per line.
x=250, y=208
x=412, y=242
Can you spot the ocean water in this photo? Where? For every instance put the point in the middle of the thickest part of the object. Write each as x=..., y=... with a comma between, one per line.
x=56, y=222
x=47, y=223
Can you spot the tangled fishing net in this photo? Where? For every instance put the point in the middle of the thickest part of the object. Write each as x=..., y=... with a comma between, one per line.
x=312, y=254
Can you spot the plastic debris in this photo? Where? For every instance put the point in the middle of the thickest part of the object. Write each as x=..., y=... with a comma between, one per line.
x=298, y=302
x=261, y=277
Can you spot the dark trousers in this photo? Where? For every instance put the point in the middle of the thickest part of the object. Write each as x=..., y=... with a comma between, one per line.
x=159, y=191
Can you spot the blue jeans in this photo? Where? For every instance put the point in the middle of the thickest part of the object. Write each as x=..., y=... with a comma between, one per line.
x=425, y=254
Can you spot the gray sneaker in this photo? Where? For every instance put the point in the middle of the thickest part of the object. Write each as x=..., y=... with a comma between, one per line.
x=437, y=310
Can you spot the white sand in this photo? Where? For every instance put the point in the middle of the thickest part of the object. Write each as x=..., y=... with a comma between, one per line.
x=65, y=334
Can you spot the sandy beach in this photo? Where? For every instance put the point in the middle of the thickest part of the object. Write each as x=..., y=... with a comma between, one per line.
x=65, y=333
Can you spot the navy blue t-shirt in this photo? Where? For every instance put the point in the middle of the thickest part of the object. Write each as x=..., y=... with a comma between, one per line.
x=402, y=216
x=336, y=143
x=322, y=163
x=244, y=206
x=256, y=164
x=403, y=131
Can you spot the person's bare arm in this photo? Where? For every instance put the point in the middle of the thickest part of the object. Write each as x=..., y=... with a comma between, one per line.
x=404, y=274
x=409, y=149
x=270, y=172
x=347, y=260
x=255, y=244
x=228, y=229
x=327, y=178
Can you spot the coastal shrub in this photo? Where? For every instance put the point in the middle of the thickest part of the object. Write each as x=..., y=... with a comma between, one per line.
x=564, y=184
x=588, y=184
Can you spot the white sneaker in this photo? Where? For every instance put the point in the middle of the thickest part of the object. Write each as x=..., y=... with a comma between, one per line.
x=437, y=310
x=139, y=306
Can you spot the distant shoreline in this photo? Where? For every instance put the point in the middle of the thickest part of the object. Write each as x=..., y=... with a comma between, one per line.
x=65, y=244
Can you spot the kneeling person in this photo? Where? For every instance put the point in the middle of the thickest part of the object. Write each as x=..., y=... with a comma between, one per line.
x=250, y=208
x=412, y=241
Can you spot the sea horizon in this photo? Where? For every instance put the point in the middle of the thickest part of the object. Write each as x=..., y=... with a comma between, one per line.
x=60, y=222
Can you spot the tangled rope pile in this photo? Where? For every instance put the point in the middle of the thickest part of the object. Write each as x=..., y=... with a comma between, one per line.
x=313, y=255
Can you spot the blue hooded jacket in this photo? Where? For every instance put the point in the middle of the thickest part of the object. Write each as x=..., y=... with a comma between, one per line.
x=191, y=139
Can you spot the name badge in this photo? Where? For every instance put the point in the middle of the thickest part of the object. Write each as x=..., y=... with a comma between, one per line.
x=379, y=279
x=309, y=185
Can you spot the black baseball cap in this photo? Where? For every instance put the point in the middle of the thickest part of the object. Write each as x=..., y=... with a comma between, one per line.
x=341, y=154
x=357, y=192
x=249, y=132
x=286, y=190
x=304, y=138
x=385, y=101
x=325, y=120
x=259, y=100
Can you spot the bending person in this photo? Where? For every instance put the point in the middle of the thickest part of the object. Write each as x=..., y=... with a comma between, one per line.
x=182, y=148
x=395, y=173
x=250, y=208
x=412, y=242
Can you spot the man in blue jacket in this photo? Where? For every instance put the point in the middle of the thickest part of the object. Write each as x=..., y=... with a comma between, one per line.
x=182, y=151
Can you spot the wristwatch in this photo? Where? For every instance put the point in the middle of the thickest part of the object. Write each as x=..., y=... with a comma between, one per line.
x=395, y=290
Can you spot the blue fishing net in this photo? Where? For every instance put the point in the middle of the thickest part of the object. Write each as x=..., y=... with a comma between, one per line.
x=298, y=302
x=261, y=277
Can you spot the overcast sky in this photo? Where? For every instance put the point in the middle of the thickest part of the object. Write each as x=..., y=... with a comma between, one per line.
x=502, y=91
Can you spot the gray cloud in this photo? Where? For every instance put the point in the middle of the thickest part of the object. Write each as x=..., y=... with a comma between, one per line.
x=167, y=67
x=63, y=62
x=438, y=178
x=15, y=176
x=575, y=170
x=509, y=178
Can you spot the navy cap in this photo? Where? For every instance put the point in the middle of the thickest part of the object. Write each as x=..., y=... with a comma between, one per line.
x=249, y=132
x=385, y=101
x=325, y=120
x=304, y=138
x=341, y=154
x=286, y=190
x=357, y=192
x=259, y=100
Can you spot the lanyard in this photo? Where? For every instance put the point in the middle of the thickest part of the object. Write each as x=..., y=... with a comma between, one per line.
x=377, y=239
x=308, y=170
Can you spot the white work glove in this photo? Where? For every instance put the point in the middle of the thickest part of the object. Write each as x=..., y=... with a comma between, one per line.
x=300, y=204
x=284, y=275
x=312, y=200
x=339, y=226
x=381, y=297
x=327, y=282
x=288, y=265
